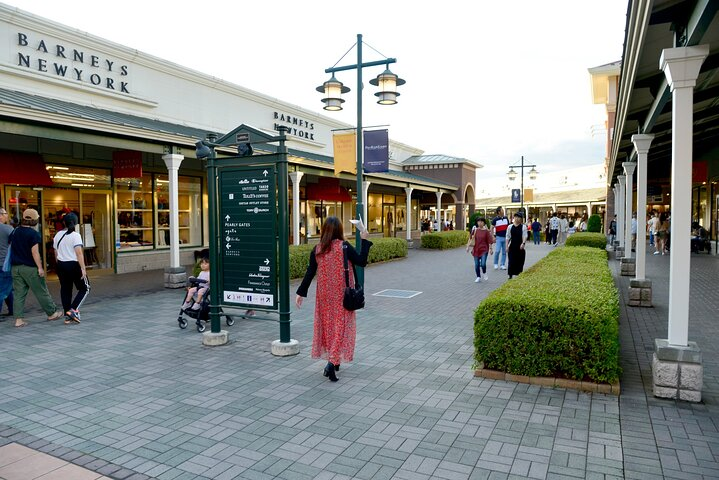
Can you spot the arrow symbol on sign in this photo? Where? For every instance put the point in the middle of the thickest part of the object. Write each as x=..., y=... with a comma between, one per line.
x=227, y=217
x=227, y=246
x=265, y=173
x=267, y=262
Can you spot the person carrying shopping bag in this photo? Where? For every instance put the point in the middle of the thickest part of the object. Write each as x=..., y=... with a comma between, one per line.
x=334, y=326
x=71, y=269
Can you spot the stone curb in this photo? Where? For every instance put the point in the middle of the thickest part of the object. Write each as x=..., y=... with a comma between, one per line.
x=88, y=461
x=607, y=388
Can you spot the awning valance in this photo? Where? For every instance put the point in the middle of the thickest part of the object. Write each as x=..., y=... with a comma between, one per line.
x=328, y=190
x=23, y=169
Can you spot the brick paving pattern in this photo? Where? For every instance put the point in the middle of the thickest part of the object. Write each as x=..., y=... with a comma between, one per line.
x=129, y=395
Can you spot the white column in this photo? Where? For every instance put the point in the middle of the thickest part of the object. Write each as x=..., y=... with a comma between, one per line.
x=439, y=210
x=621, y=211
x=296, y=177
x=365, y=189
x=629, y=204
x=408, y=216
x=681, y=66
x=173, y=161
x=641, y=142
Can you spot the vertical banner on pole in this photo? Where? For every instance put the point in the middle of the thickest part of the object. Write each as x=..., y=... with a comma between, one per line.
x=345, y=146
x=376, y=151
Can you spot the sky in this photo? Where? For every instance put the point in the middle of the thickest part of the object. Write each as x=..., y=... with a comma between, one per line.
x=489, y=81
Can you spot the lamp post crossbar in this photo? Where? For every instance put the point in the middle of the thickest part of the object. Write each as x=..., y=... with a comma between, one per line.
x=359, y=64
x=521, y=167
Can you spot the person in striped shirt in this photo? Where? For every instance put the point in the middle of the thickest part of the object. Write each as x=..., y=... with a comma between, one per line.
x=499, y=228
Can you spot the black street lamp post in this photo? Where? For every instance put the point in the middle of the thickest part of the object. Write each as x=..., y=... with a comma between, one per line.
x=512, y=175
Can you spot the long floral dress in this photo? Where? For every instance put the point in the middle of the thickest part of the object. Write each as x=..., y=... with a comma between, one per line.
x=335, y=328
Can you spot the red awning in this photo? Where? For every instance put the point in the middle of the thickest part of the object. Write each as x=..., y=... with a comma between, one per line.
x=23, y=169
x=328, y=189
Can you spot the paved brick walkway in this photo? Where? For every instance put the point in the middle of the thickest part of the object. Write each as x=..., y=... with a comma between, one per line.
x=127, y=394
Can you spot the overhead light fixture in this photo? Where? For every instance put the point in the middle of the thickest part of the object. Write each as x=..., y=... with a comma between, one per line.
x=511, y=174
x=332, y=90
x=387, y=83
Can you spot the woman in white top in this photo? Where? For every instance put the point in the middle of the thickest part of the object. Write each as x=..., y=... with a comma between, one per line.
x=71, y=268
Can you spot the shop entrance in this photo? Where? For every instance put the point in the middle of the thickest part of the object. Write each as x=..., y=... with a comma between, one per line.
x=96, y=228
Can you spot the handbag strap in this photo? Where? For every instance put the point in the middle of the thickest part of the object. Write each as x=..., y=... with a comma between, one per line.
x=347, y=274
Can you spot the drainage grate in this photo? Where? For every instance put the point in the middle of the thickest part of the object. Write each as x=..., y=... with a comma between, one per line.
x=397, y=293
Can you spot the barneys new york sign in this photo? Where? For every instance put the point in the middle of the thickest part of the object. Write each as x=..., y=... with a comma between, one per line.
x=71, y=63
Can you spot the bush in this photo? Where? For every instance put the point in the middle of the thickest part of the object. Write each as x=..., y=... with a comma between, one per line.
x=594, y=224
x=586, y=239
x=559, y=318
x=445, y=240
x=383, y=249
x=472, y=222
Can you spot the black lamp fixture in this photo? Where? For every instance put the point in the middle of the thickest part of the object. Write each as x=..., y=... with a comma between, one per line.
x=202, y=150
x=387, y=83
x=333, y=90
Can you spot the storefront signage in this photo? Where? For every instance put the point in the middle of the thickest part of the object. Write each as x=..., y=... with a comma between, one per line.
x=248, y=216
x=49, y=56
x=298, y=127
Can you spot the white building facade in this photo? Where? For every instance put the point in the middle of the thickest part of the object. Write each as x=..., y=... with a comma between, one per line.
x=90, y=126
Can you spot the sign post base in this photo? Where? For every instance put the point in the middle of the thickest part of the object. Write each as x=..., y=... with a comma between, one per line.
x=211, y=339
x=285, y=349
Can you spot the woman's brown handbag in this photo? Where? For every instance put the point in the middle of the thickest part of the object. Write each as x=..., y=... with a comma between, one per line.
x=353, y=297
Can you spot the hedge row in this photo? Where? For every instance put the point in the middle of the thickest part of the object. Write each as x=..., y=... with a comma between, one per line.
x=559, y=318
x=382, y=249
x=586, y=239
x=445, y=240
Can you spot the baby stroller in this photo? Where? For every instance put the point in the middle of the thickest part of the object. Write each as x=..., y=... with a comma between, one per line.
x=201, y=315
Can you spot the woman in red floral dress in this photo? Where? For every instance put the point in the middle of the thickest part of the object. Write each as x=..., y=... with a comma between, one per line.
x=335, y=327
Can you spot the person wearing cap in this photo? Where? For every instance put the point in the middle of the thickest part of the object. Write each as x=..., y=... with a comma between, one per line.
x=516, y=235
x=28, y=273
x=5, y=276
x=71, y=268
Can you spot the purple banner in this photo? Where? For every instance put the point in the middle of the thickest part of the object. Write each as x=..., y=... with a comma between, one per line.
x=376, y=151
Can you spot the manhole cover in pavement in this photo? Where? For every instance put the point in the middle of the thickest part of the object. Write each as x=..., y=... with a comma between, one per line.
x=396, y=293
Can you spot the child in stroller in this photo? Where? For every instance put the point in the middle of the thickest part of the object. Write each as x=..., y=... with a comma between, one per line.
x=197, y=300
x=199, y=287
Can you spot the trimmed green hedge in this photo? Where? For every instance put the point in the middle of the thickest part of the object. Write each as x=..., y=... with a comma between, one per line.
x=445, y=240
x=559, y=318
x=383, y=249
x=594, y=224
x=586, y=239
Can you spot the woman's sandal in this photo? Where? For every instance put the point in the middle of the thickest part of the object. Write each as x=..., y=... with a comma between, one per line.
x=21, y=324
x=54, y=316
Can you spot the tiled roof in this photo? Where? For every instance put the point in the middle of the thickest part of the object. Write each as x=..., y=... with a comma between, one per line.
x=437, y=159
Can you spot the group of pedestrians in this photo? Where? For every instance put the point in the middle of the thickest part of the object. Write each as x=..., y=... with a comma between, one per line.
x=23, y=270
x=509, y=238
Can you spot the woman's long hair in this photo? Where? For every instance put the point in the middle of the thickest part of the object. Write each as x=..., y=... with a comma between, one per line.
x=331, y=230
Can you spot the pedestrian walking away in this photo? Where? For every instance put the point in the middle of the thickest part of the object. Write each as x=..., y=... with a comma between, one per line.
x=516, y=234
x=334, y=327
x=481, y=244
x=499, y=227
x=28, y=273
x=71, y=269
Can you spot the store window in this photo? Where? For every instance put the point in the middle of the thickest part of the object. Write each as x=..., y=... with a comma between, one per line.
x=374, y=212
x=189, y=201
x=319, y=210
x=134, y=213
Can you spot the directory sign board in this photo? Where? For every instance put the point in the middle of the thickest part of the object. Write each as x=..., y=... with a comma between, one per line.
x=248, y=231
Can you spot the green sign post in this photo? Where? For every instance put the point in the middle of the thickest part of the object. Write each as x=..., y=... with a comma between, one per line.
x=249, y=232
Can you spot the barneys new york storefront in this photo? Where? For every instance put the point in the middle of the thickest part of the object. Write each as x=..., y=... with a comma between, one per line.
x=99, y=129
